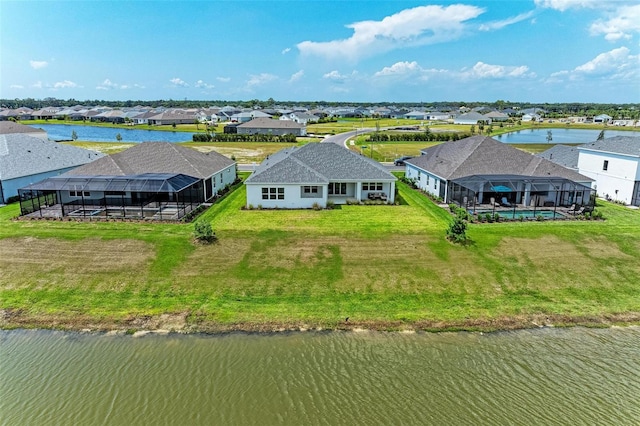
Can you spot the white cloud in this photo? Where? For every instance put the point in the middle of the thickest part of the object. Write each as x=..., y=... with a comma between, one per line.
x=563, y=5
x=36, y=65
x=296, y=76
x=107, y=85
x=285, y=51
x=201, y=84
x=178, y=82
x=613, y=61
x=66, y=84
x=481, y=70
x=223, y=79
x=16, y=86
x=498, y=25
x=621, y=23
x=616, y=64
x=335, y=76
x=400, y=68
x=256, y=80
x=410, y=27
x=37, y=85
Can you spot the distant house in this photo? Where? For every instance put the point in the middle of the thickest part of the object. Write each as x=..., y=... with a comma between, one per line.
x=315, y=174
x=154, y=180
x=26, y=159
x=301, y=118
x=471, y=118
x=245, y=117
x=268, y=126
x=614, y=164
x=602, y=118
x=497, y=116
x=172, y=117
x=479, y=168
x=415, y=115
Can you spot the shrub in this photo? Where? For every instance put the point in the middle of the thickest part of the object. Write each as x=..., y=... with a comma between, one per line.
x=489, y=217
x=316, y=206
x=453, y=208
x=457, y=231
x=330, y=205
x=539, y=218
x=203, y=232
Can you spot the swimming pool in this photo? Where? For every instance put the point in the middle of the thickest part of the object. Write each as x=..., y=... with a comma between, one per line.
x=510, y=214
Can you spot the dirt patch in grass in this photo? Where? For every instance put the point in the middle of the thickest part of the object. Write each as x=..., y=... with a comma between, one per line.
x=30, y=260
x=602, y=248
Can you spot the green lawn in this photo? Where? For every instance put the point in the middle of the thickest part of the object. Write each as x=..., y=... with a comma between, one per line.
x=385, y=267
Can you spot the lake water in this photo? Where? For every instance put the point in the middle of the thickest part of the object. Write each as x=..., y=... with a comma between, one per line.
x=106, y=134
x=534, y=377
x=560, y=135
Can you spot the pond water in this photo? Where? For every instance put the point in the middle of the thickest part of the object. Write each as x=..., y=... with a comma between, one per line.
x=544, y=376
x=106, y=134
x=560, y=135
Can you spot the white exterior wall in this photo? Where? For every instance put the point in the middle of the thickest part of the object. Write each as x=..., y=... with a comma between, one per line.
x=425, y=181
x=621, y=173
x=292, y=197
x=223, y=178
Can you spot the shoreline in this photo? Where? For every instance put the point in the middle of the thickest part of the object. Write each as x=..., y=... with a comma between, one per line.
x=184, y=323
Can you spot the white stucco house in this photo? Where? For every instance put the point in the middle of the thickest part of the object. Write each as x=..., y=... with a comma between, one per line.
x=315, y=174
x=26, y=159
x=614, y=164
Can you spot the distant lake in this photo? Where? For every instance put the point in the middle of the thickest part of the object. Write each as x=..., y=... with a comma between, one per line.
x=560, y=135
x=106, y=134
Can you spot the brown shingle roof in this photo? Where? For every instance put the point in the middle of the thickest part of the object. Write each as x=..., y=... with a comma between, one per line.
x=10, y=127
x=482, y=155
x=157, y=157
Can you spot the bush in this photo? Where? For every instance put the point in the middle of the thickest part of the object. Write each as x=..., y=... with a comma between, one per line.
x=203, y=232
x=330, y=205
x=316, y=206
x=457, y=231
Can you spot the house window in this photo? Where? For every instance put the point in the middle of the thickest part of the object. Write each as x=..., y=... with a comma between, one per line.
x=427, y=180
x=311, y=191
x=605, y=165
x=372, y=186
x=273, y=193
x=112, y=193
x=435, y=184
x=338, y=188
x=79, y=193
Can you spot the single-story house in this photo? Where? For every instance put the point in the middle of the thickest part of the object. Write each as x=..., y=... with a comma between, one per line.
x=155, y=180
x=602, y=118
x=479, y=168
x=246, y=116
x=471, y=118
x=26, y=159
x=268, y=126
x=317, y=174
x=614, y=164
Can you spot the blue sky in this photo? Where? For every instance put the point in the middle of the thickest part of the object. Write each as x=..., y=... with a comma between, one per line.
x=352, y=51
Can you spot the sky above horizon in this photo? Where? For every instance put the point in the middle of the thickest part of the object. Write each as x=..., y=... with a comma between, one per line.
x=347, y=51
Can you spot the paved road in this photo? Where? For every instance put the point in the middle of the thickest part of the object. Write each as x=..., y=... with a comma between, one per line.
x=341, y=140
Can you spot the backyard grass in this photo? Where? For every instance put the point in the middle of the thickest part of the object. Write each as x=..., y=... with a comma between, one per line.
x=384, y=267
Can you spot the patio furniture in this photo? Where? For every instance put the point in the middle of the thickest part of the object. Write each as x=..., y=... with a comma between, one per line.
x=505, y=202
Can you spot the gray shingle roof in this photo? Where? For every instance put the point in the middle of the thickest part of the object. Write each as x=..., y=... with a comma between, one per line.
x=9, y=127
x=157, y=157
x=23, y=155
x=482, y=155
x=628, y=145
x=565, y=155
x=318, y=163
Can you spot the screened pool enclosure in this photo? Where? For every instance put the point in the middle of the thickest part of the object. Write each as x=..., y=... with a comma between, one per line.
x=547, y=196
x=158, y=196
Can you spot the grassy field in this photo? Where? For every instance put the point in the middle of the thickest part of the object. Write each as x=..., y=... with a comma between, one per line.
x=384, y=267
